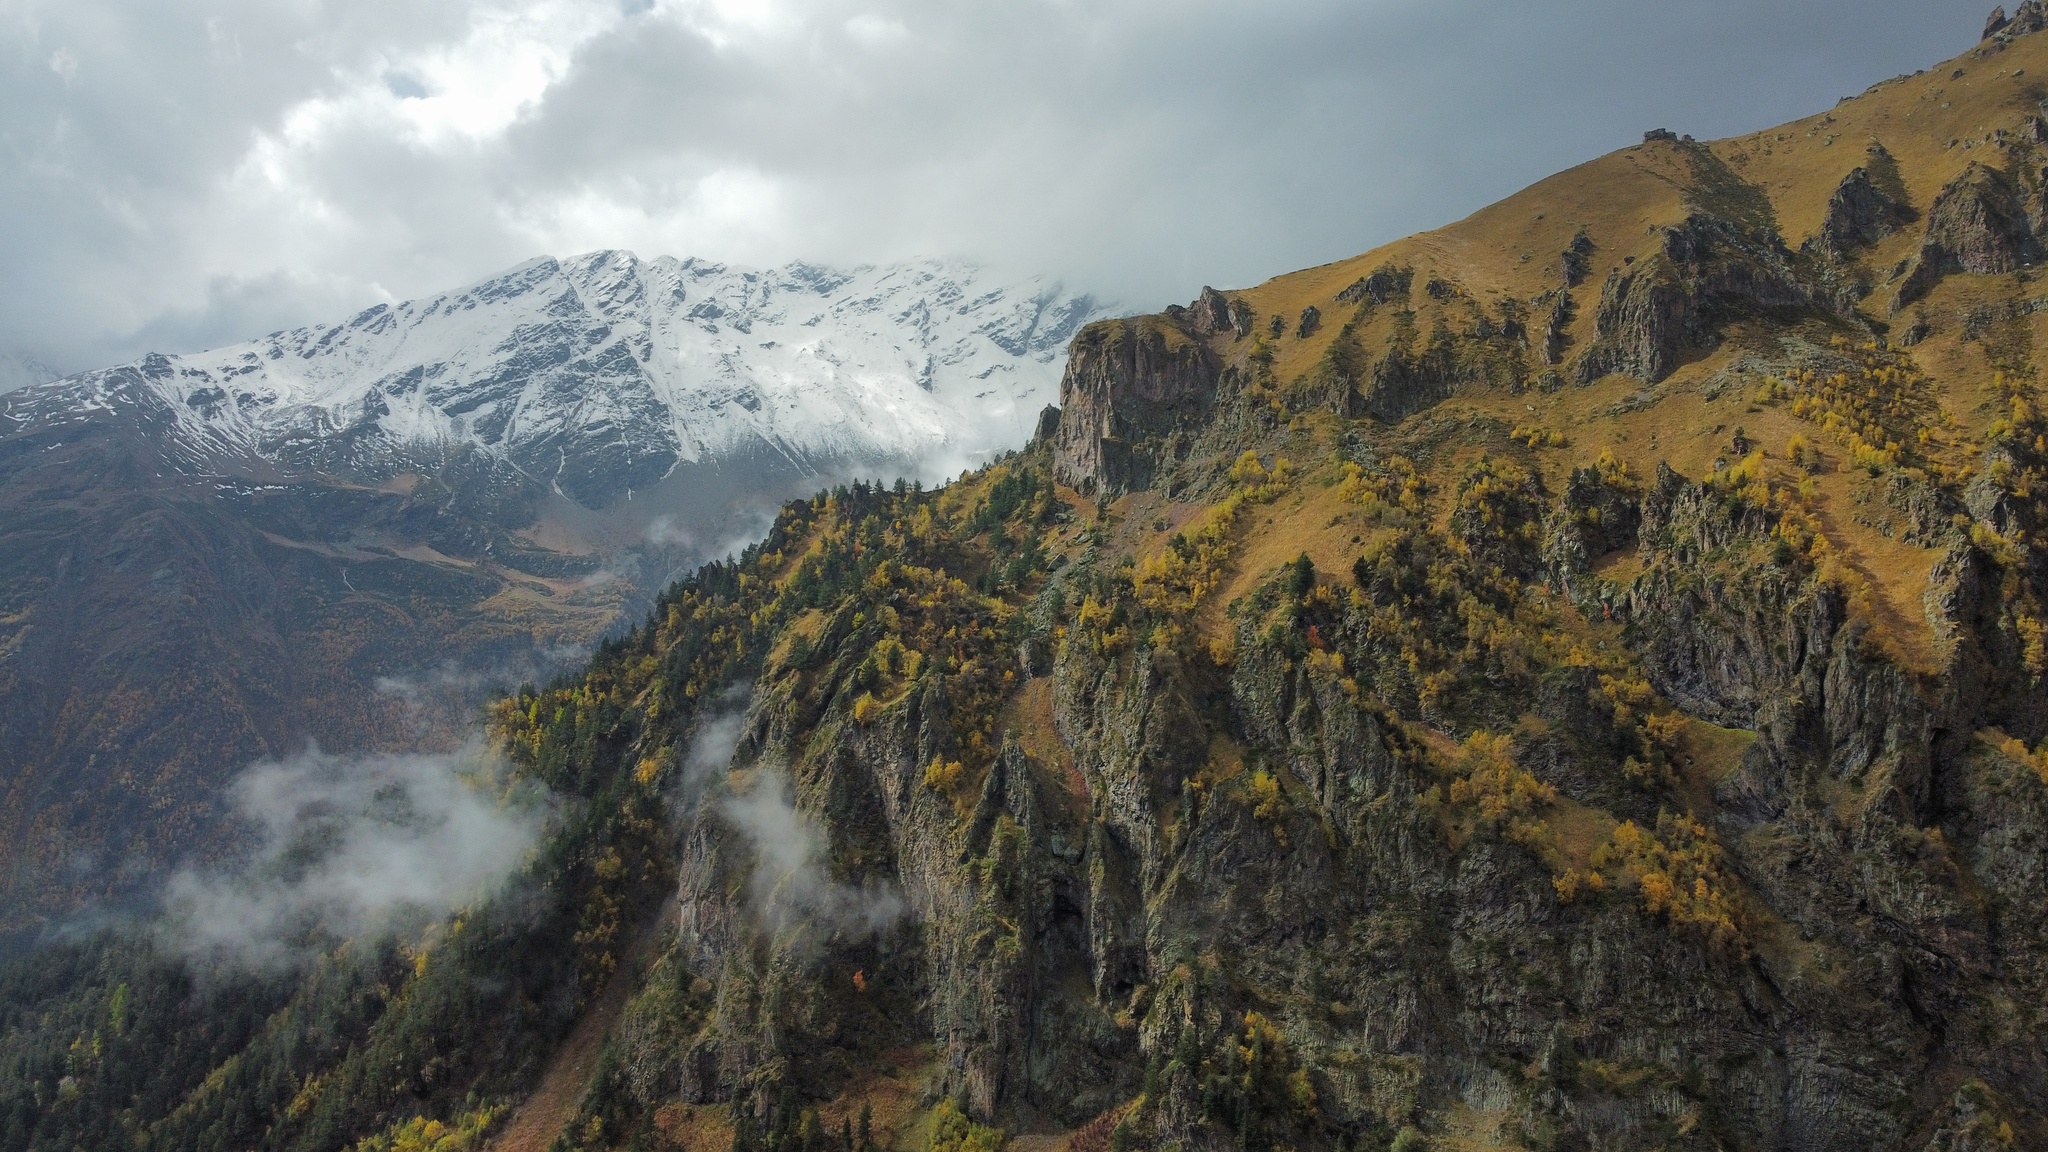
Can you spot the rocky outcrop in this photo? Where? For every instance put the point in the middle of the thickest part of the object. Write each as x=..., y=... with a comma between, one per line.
x=1383, y=284
x=1728, y=669
x=1860, y=213
x=1978, y=223
x=2030, y=16
x=1311, y=319
x=1575, y=261
x=1242, y=318
x=939, y=947
x=1752, y=641
x=1403, y=383
x=1048, y=425
x=1645, y=321
x=1705, y=272
x=1594, y=516
x=1133, y=390
x=1070, y=949
x=1556, y=320
x=1213, y=312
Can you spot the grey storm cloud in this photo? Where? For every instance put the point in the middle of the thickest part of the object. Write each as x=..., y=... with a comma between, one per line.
x=184, y=173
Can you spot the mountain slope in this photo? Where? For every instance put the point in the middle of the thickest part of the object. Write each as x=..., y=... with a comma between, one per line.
x=1484, y=711
x=1625, y=739
x=348, y=533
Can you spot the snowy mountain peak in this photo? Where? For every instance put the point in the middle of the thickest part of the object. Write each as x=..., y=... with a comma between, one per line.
x=601, y=373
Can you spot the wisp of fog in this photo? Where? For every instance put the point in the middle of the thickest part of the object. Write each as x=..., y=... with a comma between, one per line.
x=353, y=846
x=792, y=882
x=711, y=749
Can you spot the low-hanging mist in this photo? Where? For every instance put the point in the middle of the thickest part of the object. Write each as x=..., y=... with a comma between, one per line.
x=791, y=880
x=353, y=846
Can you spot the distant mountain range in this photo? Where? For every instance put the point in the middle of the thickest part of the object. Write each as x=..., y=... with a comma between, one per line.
x=348, y=532
x=601, y=373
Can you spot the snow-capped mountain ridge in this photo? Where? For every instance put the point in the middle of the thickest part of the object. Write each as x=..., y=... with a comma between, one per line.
x=601, y=373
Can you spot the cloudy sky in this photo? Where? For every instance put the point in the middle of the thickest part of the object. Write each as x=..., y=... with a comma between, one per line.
x=183, y=173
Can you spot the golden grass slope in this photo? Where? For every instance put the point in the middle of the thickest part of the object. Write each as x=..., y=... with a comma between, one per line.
x=1982, y=106
x=1933, y=123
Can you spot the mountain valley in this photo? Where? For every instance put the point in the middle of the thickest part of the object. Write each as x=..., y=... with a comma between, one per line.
x=351, y=533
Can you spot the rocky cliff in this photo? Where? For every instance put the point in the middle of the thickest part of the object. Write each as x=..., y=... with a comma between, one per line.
x=1133, y=392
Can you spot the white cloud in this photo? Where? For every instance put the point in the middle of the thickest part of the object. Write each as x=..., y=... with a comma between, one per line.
x=352, y=846
x=513, y=54
x=876, y=31
x=730, y=23
x=720, y=211
x=21, y=371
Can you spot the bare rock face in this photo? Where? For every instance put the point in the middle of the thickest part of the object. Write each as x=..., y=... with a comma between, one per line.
x=1404, y=383
x=1643, y=324
x=1242, y=319
x=1554, y=324
x=1978, y=224
x=1385, y=283
x=1048, y=423
x=1707, y=271
x=2030, y=16
x=1130, y=386
x=1074, y=928
x=1575, y=261
x=1860, y=213
x=1211, y=313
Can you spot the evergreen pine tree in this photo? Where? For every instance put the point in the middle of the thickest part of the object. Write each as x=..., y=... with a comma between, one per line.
x=746, y=1135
